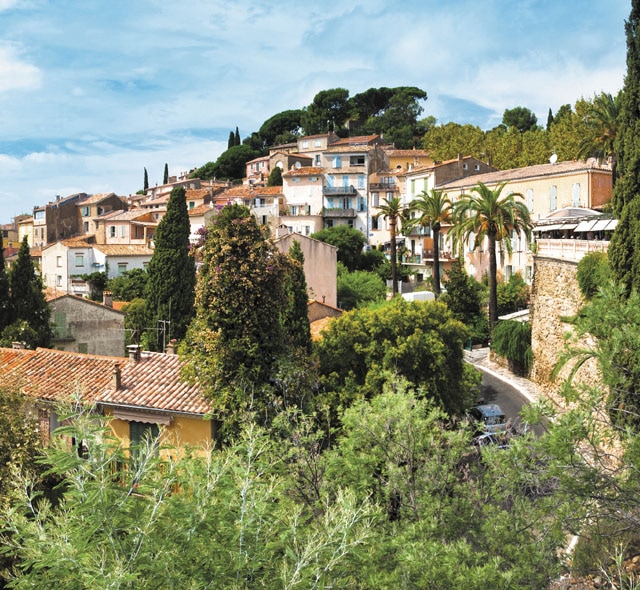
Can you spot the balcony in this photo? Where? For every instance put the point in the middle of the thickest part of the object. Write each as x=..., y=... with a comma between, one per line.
x=338, y=212
x=382, y=186
x=569, y=249
x=331, y=191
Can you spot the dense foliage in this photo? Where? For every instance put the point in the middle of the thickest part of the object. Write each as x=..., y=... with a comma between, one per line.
x=30, y=312
x=513, y=295
x=130, y=285
x=593, y=273
x=349, y=241
x=169, y=292
x=359, y=288
x=512, y=340
x=365, y=348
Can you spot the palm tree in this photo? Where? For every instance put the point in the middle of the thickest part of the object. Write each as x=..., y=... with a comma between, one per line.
x=602, y=119
x=392, y=210
x=486, y=213
x=434, y=208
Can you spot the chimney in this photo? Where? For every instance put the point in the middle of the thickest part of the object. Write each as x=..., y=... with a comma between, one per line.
x=116, y=379
x=18, y=345
x=107, y=298
x=134, y=352
x=171, y=347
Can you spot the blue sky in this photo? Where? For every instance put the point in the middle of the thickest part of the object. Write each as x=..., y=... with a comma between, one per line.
x=93, y=92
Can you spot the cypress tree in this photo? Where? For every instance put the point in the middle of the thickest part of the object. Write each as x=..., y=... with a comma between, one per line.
x=232, y=140
x=169, y=292
x=296, y=321
x=165, y=177
x=6, y=314
x=27, y=296
x=238, y=142
x=624, y=249
x=146, y=179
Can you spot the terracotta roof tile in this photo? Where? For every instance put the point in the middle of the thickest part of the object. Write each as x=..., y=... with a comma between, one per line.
x=305, y=171
x=124, y=250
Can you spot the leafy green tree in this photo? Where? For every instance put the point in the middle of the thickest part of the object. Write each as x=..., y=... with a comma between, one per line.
x=296, y=316
x=6, y=311
x=433, y=209
x=364, y=348
x=121, y=524
x=27, y=296
x=602, y=122
x=445, y=142
x=512, y=340
x=275, y=177
x=624, y=253
x=328, y=111
x=169, y=292
x=136, y=324
x=359, y=287
x=165, y=176
x=393, y=210
x=488, y=214
x=465, y=297
x=521, y=118
x=349, y=241
x=130, y=285
x=513, y=295
x=230, y=165
x=593, y=273
x=97, y=282
x=238, y=337
x=283, y=127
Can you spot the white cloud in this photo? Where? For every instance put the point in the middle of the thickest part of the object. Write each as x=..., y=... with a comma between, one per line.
x=16, y=74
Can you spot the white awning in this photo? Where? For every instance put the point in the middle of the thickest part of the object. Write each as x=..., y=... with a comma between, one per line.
x=613, y=223
x=585, y=225
x=147, y=417
x=548, y=227
x=600, y=225
x=569, y=226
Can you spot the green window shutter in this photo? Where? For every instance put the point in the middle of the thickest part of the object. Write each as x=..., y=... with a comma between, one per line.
x=60, y=324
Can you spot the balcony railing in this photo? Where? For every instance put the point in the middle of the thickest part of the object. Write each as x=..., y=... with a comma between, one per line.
x=336, y=212
x=339, y=190
x=569, y=249
x=382, y=186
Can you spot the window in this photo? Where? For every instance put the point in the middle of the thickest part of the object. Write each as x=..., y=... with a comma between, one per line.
x=294, y=210
x=328, y=223
x=85, y=226
x=465, y=166
x=307, y=230
x=38, y=214
x=123, y=231
x=508, y=271
x=361, y=204
x=476, y=167
x=80, y=259
x=337, y=162
x=345, y=181
x=59, y=324
x=553, y=198
x=59, y=280
x=141, y=431
x=317, y=160
x=58, y=261
x=122, y=267
x=350, y=223
x=575, y=195
x=86, y=211
x=264, y=220
x=530, y=199
x=317, y=143
x=356, y=160
x=295, y=179
x=331, y=180
x=192, y=204
x=413, y=187
x=112, y=231
x=305, y=144
x=375, y=199
x=346, y=203
x=360, y=180
x=374, y=223
x=313, y=179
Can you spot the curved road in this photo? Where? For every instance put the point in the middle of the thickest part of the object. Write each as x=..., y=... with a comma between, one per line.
x=498, y=391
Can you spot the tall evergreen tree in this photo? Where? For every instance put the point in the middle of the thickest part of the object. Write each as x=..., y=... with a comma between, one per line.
x=165, y=177
x=296, y=321
x=6, y=314
x=27, y=297
x=624, y=250
x=146, y=179
x=232, y=140
x=238, y=142
x=169, y=292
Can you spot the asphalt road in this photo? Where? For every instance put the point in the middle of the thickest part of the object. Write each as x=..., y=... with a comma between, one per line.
x=497, y=391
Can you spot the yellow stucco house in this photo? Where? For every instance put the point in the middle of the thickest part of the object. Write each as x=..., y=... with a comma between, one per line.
x=142, y=393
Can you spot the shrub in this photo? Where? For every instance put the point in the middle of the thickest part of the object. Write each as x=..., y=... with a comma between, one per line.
x=512, y=340
x=593, y=272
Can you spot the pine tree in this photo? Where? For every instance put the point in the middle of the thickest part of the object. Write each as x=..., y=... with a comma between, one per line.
x=238, y=142
x=624, y=249
x=275, y=177
x=146, y=179
x=6, y=314
x=165, y=178
x=27, y=297
x=297, y=314
x=170, y=286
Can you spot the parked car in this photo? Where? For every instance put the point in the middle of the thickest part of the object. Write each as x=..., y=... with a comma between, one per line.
x=488, y=418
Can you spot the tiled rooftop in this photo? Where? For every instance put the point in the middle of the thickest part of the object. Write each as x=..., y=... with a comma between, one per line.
x=124, y=250
x=152, y=383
